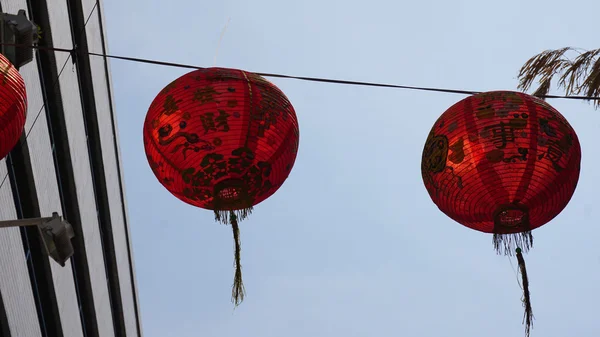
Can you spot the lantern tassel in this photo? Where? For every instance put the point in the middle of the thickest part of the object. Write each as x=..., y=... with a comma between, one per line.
x=238, y=291
x=224, y=217
x=232, y=217
x=528, y=316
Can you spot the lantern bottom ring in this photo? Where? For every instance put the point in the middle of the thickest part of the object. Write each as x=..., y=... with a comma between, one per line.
x=511, y=218
x=232, y=194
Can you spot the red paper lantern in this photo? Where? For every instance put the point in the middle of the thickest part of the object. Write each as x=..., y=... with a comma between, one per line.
x=223, y=140
x=505, y=163
x=13, y=106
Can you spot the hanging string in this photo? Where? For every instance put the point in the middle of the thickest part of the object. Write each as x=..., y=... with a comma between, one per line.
x=303, y=78
x=220, y=40
x=515, y=272
x=54, y=84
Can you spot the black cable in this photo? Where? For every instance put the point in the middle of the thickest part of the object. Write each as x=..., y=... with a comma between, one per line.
x=303, y=78
x=55, y=83
x=313, y=79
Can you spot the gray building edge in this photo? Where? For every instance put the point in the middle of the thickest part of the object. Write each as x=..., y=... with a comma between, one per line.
x=70, y=164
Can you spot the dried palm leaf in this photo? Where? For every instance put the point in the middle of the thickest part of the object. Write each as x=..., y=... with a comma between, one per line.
x=581, y=75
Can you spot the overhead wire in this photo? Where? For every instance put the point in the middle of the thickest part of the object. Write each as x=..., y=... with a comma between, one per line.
x=302, y=78
x=273, y=75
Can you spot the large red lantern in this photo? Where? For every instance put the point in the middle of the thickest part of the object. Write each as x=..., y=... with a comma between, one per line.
x=13, y=106
x=223, y=140
x=505, y=163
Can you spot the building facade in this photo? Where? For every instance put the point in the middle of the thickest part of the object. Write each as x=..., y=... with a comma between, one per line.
x=68, y=163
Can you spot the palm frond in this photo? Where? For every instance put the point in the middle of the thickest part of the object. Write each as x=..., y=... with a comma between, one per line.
x=544, y=65
x=581, y=75
x=578, y=70
x=592, y=82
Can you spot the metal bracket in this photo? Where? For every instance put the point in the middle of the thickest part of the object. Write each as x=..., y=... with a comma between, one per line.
x=56, y=234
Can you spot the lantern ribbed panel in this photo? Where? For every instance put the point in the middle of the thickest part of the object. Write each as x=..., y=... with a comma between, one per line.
x=13, y=106
x=501, y=162
x=221, y=139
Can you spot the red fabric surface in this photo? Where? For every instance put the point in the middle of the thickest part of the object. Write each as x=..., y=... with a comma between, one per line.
x=13, y=106
x=501, y=162
x=221, y=139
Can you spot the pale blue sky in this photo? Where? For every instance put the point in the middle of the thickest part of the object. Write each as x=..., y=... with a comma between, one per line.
x=352, y=245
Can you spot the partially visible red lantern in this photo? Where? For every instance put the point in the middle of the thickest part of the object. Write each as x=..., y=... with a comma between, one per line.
x=505, y=163
x=223, y=140
x=13, y=106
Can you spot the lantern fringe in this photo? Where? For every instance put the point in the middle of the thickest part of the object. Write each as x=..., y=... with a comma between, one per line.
x=528, y=315
x=506, y=244
x=224, y=217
